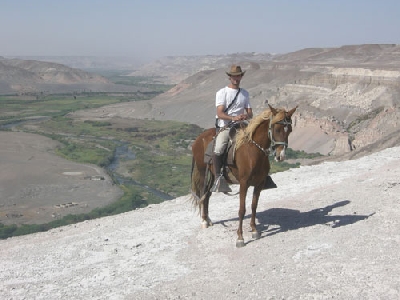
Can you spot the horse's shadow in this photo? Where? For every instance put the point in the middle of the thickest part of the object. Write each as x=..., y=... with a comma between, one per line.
x=283, y=219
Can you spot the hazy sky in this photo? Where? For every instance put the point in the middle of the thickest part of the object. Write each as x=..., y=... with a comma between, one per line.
x=150, y=29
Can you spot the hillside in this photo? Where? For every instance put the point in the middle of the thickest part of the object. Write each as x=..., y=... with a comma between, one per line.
x=328, y=231
x=348, y=97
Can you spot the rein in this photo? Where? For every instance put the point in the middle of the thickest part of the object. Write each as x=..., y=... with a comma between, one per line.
x=266, y=151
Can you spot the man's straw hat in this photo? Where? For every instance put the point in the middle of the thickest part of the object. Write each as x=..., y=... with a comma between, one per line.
x=235, y=71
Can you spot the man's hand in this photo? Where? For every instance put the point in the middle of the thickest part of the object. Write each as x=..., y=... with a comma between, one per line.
x=240, y=117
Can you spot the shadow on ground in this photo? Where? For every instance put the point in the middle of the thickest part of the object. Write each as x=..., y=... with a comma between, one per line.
x=289, y=219
x=276, y=220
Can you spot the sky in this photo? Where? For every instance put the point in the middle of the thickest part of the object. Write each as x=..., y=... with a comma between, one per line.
x=150, y=29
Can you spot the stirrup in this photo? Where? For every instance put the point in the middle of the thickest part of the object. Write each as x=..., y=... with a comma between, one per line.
x=220, y=185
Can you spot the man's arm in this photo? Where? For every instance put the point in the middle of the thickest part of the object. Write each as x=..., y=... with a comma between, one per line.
x=249, y=112
x=222, y=115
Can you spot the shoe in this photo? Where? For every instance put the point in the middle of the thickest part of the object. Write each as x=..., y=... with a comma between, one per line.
x=220, y=185
x=269, y=184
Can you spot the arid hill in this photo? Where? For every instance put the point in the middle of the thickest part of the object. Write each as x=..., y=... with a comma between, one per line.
x=348, y=97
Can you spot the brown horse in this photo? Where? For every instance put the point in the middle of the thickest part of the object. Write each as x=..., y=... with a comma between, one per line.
x=268, y=131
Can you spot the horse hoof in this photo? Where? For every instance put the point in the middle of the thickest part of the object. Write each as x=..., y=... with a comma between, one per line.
x=204, y=224
x=239, y=243
x=255, y=235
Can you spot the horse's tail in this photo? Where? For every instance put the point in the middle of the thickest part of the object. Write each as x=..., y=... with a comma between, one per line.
x=201, y=183
x=195, y=184
x=201, y=180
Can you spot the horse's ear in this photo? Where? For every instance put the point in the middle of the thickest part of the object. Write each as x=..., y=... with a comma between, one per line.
x=290, y=112
x=273, y=110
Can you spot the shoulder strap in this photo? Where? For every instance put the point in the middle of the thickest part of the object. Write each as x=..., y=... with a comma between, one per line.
x=234, y=99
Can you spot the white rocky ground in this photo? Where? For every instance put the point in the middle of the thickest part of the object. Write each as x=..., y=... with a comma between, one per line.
x=329, y=231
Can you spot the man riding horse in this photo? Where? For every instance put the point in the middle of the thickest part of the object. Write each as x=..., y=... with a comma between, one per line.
x=233, y=105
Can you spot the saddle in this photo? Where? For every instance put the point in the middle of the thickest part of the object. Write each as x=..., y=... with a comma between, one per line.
x=229, y=155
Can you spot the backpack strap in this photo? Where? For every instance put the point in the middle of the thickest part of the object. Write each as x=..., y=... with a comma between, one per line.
x=226, y=109
x=234, y=99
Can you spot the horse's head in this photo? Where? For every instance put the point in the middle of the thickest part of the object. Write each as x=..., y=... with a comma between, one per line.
x=280, y=127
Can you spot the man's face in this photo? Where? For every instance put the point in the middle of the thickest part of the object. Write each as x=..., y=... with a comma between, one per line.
x=235, y=79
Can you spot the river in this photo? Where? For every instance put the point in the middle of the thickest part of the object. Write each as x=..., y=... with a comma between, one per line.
x=123, y=152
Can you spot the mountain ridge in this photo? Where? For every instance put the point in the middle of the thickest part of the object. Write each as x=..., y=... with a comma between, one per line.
x=31, y=76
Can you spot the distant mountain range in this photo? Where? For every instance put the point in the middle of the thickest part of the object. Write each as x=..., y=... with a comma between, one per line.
x=348, y=97
x=173, y=69
x=88, y=62
x=22, y=76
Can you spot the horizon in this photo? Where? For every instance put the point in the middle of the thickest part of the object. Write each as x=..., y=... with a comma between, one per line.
x=137, y=30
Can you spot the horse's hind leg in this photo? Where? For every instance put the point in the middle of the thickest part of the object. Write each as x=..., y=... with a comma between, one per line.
x=205, y=219
x=256, y=195
x=207, y=182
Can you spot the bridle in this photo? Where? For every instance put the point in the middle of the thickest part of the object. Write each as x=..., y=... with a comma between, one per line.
x=286, y=121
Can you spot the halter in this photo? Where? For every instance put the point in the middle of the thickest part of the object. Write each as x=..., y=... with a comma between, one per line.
x=286, y=122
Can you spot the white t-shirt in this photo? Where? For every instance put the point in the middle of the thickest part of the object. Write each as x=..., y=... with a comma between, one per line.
x=225, y=96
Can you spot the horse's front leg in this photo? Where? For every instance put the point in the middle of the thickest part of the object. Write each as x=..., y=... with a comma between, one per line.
x=256, y=195
x=242, y=211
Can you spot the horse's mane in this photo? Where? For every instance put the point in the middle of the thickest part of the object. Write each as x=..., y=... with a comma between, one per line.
x=246, y=135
